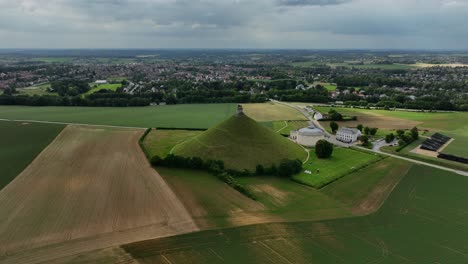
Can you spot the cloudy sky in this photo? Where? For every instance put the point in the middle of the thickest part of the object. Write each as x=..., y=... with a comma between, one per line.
x=312, y=24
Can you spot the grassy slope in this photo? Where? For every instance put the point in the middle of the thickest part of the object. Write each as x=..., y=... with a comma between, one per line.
x=161, y=142
x=241, y=143
x=418, y=206
x=20, y=144
x=280, y=199
x=180, y=116
x=342, y=162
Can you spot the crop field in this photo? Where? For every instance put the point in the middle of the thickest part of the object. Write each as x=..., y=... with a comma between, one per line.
x=324, y=171
x=177, y=116
x=107, y=86
x=370, y=118
x=417, y=206
x=20, y=143
x=272, y=112
x=91, y=187
x=160, y=142
x=394, y=66
x=434, y=121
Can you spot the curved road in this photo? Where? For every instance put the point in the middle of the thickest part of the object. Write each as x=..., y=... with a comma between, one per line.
x=376, y=149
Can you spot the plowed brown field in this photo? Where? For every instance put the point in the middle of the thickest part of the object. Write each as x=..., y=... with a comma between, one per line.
x=91, y=185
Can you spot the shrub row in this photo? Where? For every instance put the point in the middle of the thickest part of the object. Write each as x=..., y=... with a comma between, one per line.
x=214, y=166
x=181, y=128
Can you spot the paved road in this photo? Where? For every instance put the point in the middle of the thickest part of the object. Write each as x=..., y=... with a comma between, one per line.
x=376, y=147
x=329, y=137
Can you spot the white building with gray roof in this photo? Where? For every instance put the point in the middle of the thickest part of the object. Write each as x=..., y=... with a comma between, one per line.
x=348, y=135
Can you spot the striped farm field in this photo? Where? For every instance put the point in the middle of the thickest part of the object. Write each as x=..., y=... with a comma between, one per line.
x=93, y=184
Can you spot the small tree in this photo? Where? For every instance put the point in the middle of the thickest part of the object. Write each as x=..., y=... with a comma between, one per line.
x=364, y=140
x=288, y=168
x=415, y=133
x=323, y=149
x=373, y=131
x=389, y=138
x=367, y=130
x=360, y=127
x=400, y=132
x=334, y=126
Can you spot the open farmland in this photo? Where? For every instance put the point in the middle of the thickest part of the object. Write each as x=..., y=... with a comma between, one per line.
x=20, y=143
x=324, y=171
x=272, y=112
x=433, y=121
x=177, y=116
x=90, y=184
x=417, y=206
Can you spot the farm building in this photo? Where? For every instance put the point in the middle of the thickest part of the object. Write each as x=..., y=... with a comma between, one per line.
x=307, y=136
x=348, y=135
x=435, y=142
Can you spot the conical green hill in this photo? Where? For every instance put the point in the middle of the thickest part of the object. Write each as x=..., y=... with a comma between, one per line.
x=241, y=143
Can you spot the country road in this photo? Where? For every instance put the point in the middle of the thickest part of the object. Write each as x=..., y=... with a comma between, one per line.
x=331, y=139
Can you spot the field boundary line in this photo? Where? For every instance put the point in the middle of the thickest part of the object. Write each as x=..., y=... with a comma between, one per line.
x=66, y=123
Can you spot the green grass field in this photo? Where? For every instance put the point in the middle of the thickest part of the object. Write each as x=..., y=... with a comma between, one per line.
x=20, y=143
x=178, y=116
x=420, y=223
x=291, y=125
x=36, y=90
x=281, y=199
x=160, y=142
x=342, y=162
x=107, y=86
x=241, y=143
x=406, y=152
x=458, y=147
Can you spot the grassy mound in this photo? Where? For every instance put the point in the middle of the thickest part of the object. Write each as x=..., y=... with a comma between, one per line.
x=242, y=144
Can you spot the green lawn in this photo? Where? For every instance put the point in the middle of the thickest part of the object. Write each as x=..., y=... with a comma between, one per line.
x=107, y=86
x=160, y=142
x=458, y=147
x=20, y=143
x=342, y=162
x=292, y=125
x=178, y=116
x=421, y=222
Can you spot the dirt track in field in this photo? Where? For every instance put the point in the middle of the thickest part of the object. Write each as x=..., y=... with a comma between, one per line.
x=90, y=188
